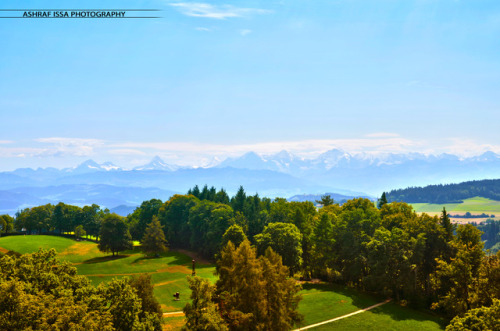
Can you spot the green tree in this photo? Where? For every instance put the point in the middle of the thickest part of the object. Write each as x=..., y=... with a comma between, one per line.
x=114, y=235
x=446, y=224
x=208, y=221
x=280, y=293
x=79, y=231
x=174, y=215
x=235, y=234
x=154, y=241
x=487, y=287
x=202, y=313
x=39, y=218
x=479, y=319
x=238, y=201
x=323, y=245
x=286, y=240
x=382, y=201
x=91, y=219
x=143, y=215
x=389, y=259
x=144, y=288
x=325, y=201
x=453, y=281
x=38, y=292
x=245, y=280
x=6, y=223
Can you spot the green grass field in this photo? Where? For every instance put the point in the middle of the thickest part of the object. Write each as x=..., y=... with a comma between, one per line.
x=168, y=272
x=387, y=317
x=475, y=205
x=320, y=301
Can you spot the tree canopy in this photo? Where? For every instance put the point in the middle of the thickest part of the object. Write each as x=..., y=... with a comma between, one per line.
x=154, y=241
x=115, y=236
x=37, y=292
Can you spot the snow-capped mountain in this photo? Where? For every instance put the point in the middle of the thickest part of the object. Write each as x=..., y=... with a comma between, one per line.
x=282, y=174
x=157, y=164
x=91, y=165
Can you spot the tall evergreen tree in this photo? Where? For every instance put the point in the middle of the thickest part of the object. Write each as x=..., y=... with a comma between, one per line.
x=382, y=201
x=446, y=224
x=238, y=201
x=245, y=281
x=202, y=313
x=154, y=241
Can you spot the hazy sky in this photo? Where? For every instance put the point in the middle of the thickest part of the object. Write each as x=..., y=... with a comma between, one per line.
x=218, y=78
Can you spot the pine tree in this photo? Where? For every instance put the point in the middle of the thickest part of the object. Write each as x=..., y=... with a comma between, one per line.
x=382, y=201
x=326, y=200
x=256, y=293
x=446, y=224
x=280, y=293
x=202, y=313
x=154, y=241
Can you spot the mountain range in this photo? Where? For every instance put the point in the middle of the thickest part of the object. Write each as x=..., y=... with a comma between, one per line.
x=282, y=174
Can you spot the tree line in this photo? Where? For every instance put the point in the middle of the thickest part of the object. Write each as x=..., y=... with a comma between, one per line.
x=388, y=249
x=448, y=193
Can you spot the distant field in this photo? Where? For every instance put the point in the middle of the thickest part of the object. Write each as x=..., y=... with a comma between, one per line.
x=475, y=205
x=320, y=301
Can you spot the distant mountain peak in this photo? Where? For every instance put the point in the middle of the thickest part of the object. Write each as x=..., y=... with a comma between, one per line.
x=157, y=163
x=91, y=165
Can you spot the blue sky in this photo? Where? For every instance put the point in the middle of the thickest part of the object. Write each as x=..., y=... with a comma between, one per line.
x=219, y=78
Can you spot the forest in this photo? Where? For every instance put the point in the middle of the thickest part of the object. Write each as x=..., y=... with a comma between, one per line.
x=448, y=193
x=418, y=260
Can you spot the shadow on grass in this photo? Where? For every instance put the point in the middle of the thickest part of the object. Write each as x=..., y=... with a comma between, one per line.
x=104, y=259
x=399, y=313
x=359, y=299
x=363, y=300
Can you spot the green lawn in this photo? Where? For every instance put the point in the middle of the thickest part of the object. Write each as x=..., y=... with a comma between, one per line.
x=475, y=205
x=387, y=317
x=31, y=243
x=320, y=301
x=168, y=271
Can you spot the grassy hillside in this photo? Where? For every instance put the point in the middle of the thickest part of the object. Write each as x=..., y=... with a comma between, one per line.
x=320, y=301
x=476, y=205
x=168, y=272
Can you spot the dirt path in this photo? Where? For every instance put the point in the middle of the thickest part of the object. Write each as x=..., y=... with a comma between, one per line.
x=343, y=316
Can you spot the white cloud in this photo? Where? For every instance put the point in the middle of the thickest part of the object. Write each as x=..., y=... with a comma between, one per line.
x=62, y=146
x=382, y=135
x=203, y=29
x=199, y=154
x=126, y=151
x=197, y=9
x=244, y=32
x=203, y=154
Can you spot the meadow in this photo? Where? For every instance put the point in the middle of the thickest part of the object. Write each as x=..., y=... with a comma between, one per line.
x=477, y=205
x=320, y=301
